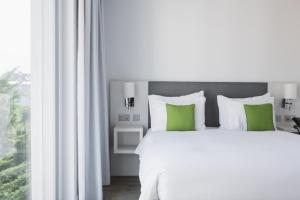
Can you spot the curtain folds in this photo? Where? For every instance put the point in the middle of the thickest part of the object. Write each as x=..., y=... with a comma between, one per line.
x=69, y=145
x=83, y=165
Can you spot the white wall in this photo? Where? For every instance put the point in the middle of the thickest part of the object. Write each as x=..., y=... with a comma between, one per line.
x=202, y=40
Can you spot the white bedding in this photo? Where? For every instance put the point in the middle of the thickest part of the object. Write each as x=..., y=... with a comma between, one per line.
x=220, y=165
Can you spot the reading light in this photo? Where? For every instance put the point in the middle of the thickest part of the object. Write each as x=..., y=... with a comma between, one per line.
x=129, y=93
x=290, y=94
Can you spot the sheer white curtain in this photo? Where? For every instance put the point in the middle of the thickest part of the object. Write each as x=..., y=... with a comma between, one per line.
x=76, y=143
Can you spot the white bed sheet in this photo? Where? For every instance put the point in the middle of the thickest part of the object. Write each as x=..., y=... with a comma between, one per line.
x=220, y=165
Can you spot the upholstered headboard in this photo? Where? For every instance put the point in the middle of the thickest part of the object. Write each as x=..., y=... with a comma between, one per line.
x=211, y=90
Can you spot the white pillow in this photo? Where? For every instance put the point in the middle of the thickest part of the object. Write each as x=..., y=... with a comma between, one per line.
x=158, y=113
x=232, y=113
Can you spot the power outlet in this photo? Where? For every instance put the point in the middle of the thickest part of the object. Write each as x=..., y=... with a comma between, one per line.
x=124, y=118
x=136, y=117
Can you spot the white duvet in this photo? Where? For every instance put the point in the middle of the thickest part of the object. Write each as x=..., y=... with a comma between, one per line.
x=220, y=165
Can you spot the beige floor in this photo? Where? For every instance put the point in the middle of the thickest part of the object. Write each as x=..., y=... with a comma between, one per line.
x=122, y=188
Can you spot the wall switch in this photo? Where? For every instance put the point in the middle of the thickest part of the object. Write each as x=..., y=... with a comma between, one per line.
x=136, y=117
x=288, y=118
x=124, y=117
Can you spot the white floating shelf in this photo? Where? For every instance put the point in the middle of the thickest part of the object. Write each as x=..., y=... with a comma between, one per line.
x=127, y=138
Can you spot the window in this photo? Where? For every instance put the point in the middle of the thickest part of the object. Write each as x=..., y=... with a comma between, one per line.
x=15, y=55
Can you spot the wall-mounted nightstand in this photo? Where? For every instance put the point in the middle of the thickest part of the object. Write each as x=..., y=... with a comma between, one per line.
x=127, y=138
x=288, y=127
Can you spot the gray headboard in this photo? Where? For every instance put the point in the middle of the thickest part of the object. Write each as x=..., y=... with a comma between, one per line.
x=211, y=90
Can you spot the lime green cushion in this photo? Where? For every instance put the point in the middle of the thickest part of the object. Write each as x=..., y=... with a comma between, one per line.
x=259, y=117
x=180, y=117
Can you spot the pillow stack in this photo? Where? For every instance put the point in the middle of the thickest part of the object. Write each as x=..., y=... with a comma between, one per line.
x=177, y=113
x=248, y=114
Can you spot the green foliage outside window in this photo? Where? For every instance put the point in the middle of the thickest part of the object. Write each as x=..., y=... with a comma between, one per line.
x=14, y=165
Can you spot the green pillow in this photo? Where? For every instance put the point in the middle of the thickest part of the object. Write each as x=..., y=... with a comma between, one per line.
x=180, y=117
x=259, y=117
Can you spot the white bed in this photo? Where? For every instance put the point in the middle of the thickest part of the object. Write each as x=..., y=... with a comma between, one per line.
x=220, y=165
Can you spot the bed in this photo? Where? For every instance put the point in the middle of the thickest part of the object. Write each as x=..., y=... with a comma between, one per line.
x=220, y=165
x=215, y=164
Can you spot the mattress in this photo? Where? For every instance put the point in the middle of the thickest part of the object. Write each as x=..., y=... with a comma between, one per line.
x=219, y=165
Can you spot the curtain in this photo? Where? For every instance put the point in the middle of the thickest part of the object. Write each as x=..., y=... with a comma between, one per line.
x=82, y=102
x=70, y=150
